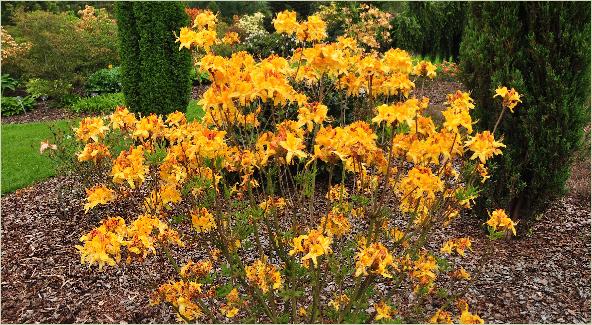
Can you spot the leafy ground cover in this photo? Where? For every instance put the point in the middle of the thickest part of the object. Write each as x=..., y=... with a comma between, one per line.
x=22, y=164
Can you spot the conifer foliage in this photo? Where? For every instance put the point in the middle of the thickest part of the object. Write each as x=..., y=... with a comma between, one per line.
x=155, y=74
x=543, y=50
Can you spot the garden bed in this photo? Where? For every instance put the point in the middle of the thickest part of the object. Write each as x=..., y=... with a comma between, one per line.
x=543, y=278
x=44, y=112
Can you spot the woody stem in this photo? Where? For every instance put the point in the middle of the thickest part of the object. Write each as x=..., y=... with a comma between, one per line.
x=499, y=119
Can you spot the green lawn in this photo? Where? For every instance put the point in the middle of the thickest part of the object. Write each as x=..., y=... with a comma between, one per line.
x=22, y=164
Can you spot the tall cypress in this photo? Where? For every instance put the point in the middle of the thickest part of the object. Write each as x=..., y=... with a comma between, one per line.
x=543, y=50
x=155, y=74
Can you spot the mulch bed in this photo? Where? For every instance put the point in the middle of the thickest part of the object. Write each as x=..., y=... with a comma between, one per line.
x=42, y=278
x=544, y=278
x=42, y=113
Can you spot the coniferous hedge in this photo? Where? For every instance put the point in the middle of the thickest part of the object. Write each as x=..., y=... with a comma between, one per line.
x=543, y=50
x=436, y=28
x=155, y=74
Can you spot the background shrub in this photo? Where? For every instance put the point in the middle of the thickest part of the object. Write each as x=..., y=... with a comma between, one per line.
x=104, y=81
x=155, y=74
x=13, y=105
x=543, y=50
x=62, y=46
x=265, y=45
x=430, y=28
x=10, y=8
x=104, y=104
x=44, y=89
x=405, y=32
x=367, y=24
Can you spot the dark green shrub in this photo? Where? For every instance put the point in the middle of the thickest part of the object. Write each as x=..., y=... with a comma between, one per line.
x=442, y=24
x=104, y=81
x=543, y=50
x=105, y=103
x=155, y=74
x=405, y=32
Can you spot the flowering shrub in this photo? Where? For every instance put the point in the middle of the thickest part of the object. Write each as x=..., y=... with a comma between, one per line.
x=365, y=23
x=60, y=46
x=252, y=25
x=277, y=239
x=449, y=70
x=10, y=48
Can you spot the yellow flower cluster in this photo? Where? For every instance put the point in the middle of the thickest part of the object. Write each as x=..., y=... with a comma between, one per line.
x=285, y=22
x=383, y=311
x=424, y=271
x=459, y=244
x=122, y=118
x=499, y=221
x=98, y=194
x=337, y=193
x=339, y=301
x=510, y=98
x=202, y=220
x=91, y=128
x=467, y=317
x=441, y=317
x=230, y=309
x=192, y=270
x=102, y=245
x=425, y=69
x=264, y=275
x=94, y=152
x=484, y=146
x=335, y=224
x=457, y=113
x=146, y=231
x=149, y=127
x=181, y=296
x=418, y=190
x=312, y=245
x=375, y=259
x=273, y=203
x=130, y=167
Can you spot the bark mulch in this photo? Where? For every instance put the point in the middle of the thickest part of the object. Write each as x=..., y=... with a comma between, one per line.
x=42, y=113
x=42, y=278
x=544, y=278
